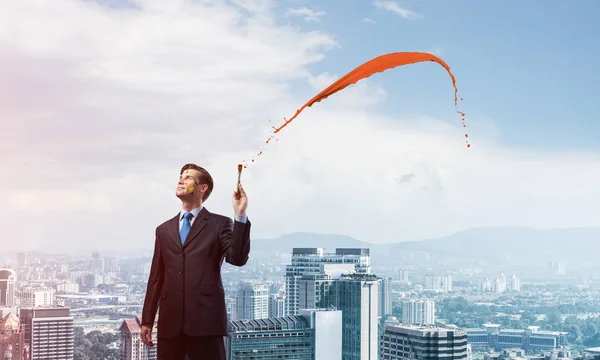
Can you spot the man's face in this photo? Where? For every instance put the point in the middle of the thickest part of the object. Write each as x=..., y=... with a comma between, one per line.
x=188, y=184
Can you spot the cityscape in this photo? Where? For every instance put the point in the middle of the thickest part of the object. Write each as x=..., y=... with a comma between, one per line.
x=310, y=303
x=301, y=179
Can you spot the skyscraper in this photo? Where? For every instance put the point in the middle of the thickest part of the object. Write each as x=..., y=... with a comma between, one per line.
x=306, y=261
x=49, y=332
x=433, y=282
x=8, y=279
x=418, y=312
x=357, y=295
x=515, y=283
x=276, y=305
x=403, y=275
x=385, y=297
x=252, y=301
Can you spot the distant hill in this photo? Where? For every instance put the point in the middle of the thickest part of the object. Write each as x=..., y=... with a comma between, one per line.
x=286, y=243
x=519, y=244
x=490, y=245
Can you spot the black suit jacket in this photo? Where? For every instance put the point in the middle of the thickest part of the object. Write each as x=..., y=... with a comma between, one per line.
x=185, y=281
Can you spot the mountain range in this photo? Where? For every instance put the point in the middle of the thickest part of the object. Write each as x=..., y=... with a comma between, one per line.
x=490, y=245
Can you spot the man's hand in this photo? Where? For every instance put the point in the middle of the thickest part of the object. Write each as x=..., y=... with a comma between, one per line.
x=147, y=335
x=240, y=201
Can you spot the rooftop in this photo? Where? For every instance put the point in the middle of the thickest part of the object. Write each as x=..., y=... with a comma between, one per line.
x=270, y=324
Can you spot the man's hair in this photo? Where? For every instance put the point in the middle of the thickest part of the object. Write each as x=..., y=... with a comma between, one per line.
x=204, y=178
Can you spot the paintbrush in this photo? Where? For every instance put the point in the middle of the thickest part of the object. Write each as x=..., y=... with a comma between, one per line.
x=238, y=180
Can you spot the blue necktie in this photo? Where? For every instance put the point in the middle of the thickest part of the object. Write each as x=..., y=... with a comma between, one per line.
x=185, y=228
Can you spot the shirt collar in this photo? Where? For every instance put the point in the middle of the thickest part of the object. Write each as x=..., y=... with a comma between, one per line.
x=194, y=212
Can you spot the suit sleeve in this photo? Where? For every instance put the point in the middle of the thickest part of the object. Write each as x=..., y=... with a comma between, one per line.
x=155, y=283
x=235, y=241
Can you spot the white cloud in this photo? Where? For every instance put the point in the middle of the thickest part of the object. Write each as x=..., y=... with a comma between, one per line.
x=368, y=20
x=306, y=13
x=396, y=9
x=96, y=122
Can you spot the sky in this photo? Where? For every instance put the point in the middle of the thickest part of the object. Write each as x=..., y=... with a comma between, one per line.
x=102, y=102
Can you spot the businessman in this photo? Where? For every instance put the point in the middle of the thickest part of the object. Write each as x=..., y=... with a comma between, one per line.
x=185, y=277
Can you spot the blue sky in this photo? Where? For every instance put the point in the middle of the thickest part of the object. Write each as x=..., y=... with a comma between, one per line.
x=529, y=66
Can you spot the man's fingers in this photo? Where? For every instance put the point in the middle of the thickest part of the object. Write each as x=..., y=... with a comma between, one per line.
x=147, y=338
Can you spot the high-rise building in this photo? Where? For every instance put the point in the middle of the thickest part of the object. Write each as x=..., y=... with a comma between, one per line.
x=313, y=334
x=403, y=275
x=21, y=260
x=438, y=283
x=276, y=305
x=485, y=285
x=357, y=296
x=557, y=268
x=8, y=278
x=49, y=332
x=37, y=298
x=67, y=287
x=385, y=297
x=515, y=283
x=307, y=261
x=408, y=342
x=447, y=283
x=418, y=312
x=132, y=347
x=230, y=305
x=252, y=301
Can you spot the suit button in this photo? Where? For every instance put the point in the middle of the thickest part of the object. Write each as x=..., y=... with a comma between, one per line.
x=181, y=291
x=180, y=255
x=180, y=273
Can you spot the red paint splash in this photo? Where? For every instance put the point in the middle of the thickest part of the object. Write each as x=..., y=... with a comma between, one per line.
x=376, y=65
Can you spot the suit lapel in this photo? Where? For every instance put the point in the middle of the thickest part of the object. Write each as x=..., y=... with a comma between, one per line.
x=174, y=229
x=197, y=226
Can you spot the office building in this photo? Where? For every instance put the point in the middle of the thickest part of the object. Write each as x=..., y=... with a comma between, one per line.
x=357, y=296
x=313, y=334
x=48, y=332
x=423, y=342
x=492, y=337
x=307, y=261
